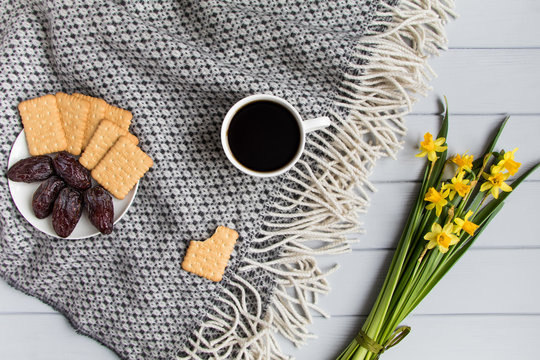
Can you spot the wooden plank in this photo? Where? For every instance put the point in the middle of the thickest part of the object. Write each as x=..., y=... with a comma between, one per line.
x=383, y=223
x=466, y=133
x=475, y=81
x=392, y=202
x=485, y=81
x=499, y=279
x=495, y=23
x=434, y=337
x=13, y=300
x=361, y=274
x=483, y=281
x=46, y=337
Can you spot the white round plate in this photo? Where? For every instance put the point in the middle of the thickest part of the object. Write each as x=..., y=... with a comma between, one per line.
x=22, y=194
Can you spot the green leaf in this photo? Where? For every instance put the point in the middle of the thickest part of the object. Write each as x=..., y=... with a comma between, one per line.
x=438, y=167
x=444, y=126
x=477, y=164
x=449, y=262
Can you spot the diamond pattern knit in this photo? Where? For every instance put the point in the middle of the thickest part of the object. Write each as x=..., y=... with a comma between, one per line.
x=177, y=66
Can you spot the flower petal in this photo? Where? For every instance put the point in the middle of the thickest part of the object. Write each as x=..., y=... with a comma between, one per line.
x=443, y=249
x=439, y=141
x=454, y=239
x=495, y=192
x=448, y=228
x=486, y=186
x=440, y=148
x=506, y=187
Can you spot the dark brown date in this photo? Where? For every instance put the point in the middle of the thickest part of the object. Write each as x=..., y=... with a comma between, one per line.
x=67, y=211
x=45, y=195
x=32, y=169
x=73, y=173
x=99, y=205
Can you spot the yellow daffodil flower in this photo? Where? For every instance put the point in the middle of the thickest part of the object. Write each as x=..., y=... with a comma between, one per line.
x=495, y=182
x=465, y=225
x=431, y=148
x=458, y=185
x=441, y=237
x=508, y=163
x=437, y=199
x=464, y=162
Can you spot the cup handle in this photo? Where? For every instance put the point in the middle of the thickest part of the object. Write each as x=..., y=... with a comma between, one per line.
x=316, y=124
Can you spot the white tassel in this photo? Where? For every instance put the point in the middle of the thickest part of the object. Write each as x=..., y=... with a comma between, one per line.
x=319, y=210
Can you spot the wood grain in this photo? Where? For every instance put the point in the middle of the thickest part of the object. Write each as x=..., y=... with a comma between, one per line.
x=484, y=281
x=485, y=81
x=488, y=306
x=46, y=337
x=495, y=24
x=438, y=337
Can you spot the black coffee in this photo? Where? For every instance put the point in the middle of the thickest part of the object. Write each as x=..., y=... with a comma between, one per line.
x=264, y=136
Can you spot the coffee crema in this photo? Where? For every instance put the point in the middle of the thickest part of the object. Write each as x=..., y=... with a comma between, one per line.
x=264, y=136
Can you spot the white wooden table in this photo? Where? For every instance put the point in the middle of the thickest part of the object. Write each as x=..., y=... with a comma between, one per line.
x=488, y=306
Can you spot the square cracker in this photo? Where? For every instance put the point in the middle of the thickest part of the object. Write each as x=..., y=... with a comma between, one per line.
x=95, y=115
x=103, y=139
x=120, y=169
x=42, y=125
x=122, y=118
x=74, y=115
x=209, y=258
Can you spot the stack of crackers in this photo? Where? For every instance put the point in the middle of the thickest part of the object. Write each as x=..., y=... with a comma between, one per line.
x=90, y=127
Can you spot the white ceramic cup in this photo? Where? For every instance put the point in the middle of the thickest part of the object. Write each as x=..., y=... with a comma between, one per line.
x=304, y=126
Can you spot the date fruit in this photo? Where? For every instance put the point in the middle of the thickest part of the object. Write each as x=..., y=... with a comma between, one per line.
x=99, y=205
x=32, y=169
x=45, y=195
x=67, y=211
x=73, y=173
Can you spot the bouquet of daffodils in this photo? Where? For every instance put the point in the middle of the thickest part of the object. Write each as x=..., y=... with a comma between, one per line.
x=458, y=198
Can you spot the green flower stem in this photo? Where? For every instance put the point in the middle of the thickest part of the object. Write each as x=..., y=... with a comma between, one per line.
x=375, y=319
x=412, y=273
x=413, y=277
x=433, y=260
x=349, y=351
x=402, y=298
x=375, y=322
x=417, y=247
x=448, y=264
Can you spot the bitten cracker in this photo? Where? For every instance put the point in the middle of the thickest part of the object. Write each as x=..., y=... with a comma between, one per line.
x=120, y=117
x=209, y=258
x=74, y=115
x=95, y=115
x=120, y=169
x=42, y=125
x=103, y=139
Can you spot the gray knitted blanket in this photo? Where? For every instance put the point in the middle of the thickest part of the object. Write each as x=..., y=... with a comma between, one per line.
x=178, y=66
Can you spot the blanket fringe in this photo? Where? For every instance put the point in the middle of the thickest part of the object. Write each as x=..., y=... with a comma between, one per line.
x=318, y=208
